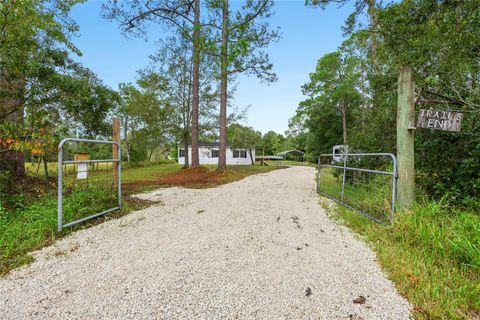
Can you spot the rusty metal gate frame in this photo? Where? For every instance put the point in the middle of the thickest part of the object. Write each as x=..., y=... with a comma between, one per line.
x=345, y=169
x=117, y=161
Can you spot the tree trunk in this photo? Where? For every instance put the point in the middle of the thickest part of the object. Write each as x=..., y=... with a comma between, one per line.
x=222, y=158
x=150, y=155
x=251, y=157
x=373, y=28
x=185, y=146
x=196, y=84
x=11, y=111
x=343, y=109
x=45, y=170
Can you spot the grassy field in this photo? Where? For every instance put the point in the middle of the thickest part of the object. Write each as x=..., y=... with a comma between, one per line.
x=38, y=171
x=432, y=254
x=149, y=172
x=32, y=224
x=129, y=173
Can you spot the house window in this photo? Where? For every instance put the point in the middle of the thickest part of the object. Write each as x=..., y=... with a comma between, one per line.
x=239, y=153
x=215, y=153
x=181, y=153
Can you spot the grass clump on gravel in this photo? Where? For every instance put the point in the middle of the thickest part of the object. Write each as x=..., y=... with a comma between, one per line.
x=432, y=254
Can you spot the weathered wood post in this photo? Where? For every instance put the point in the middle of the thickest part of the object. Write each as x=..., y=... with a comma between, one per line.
x=405, y=139
x=116, y=138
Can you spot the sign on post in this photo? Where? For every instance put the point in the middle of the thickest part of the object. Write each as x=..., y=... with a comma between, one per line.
x=82, y=168
x=440, y=120
x=82, y=171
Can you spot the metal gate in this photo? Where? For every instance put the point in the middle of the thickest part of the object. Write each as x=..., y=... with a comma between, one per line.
x=82, y=174
x=363, y=182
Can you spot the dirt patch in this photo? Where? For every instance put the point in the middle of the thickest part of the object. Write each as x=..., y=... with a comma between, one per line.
x=195, y=178
x=137, y=204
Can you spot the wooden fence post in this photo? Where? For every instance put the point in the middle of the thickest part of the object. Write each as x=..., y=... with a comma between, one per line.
x=405, y=139
x=116, y=138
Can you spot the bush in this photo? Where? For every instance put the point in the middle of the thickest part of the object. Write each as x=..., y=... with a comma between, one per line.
x=448, y=164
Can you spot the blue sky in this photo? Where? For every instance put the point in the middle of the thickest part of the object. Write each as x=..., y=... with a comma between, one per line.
x=307, y=34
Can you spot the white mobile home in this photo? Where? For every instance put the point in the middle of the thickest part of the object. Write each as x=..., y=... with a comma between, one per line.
x=209, y=151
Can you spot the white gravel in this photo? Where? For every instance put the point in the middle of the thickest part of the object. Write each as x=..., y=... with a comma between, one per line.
x=249, y=249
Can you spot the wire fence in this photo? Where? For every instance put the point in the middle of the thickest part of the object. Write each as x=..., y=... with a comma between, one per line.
x=87, y=171
x=364, y=182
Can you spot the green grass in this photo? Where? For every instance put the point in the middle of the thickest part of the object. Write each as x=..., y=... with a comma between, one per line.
x=330, y=184
x=432, y=254
x=35, y=225
x=149, y=172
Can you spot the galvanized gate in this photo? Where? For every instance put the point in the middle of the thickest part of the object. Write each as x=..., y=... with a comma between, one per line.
x=363, y=182
x=117, y=183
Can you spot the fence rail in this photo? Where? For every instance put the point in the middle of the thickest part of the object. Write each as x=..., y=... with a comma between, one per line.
x=363, y=182
x=61, y=162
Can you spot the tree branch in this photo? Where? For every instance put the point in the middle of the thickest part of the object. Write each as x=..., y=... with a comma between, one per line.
x=253, y=16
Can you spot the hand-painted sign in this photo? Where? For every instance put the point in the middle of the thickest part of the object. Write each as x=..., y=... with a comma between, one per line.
x=440, y=120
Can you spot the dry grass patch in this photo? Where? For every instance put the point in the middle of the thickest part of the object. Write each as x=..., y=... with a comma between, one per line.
x=197, y=178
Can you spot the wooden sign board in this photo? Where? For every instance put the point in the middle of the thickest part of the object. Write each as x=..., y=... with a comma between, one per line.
x=440, y=120
x=81, y=156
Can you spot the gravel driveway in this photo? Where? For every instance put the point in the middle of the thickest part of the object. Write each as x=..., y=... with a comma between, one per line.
x=259, y=248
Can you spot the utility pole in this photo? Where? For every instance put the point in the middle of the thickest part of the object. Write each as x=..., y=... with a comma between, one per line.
x=405, y=139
